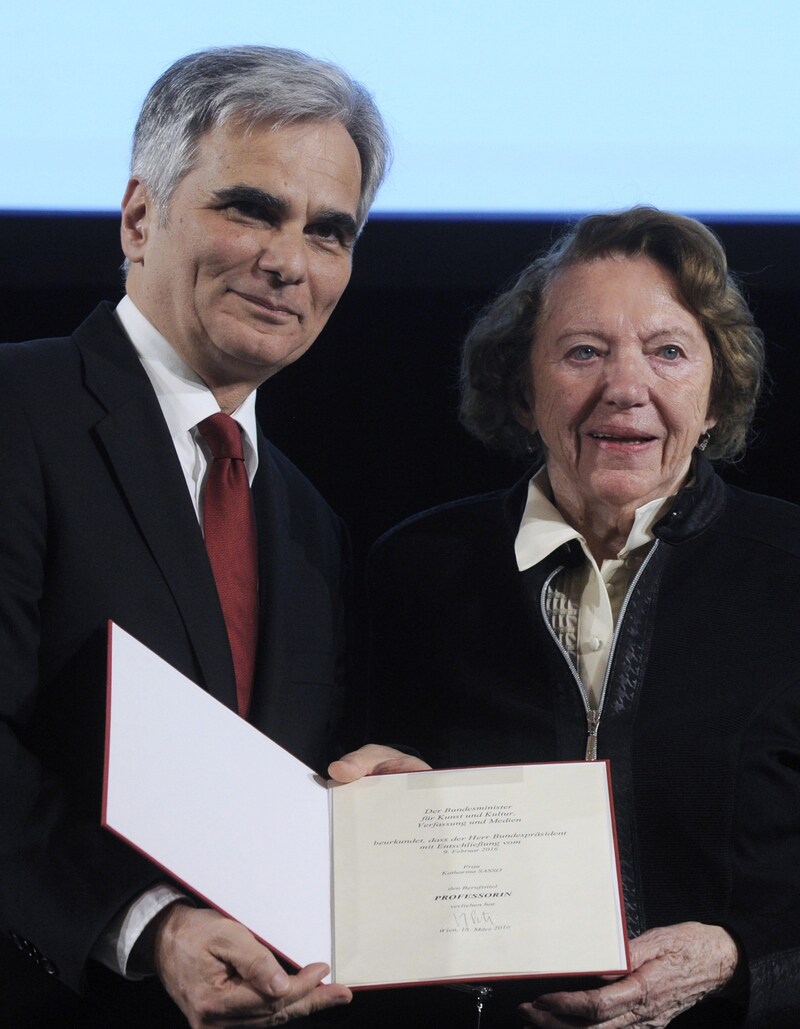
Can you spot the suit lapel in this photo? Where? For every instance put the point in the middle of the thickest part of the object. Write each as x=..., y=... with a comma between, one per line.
x=140, y=452
x=275, y=556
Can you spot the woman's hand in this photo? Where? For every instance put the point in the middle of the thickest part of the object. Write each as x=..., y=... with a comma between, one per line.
x=673, y=968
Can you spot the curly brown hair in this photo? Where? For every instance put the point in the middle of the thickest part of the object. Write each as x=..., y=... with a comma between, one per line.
x=495, y=368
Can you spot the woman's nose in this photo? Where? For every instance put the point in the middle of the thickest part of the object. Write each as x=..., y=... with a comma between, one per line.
x=626, y=380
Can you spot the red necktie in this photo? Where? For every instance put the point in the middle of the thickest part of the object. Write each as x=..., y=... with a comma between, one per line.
x=230, y=535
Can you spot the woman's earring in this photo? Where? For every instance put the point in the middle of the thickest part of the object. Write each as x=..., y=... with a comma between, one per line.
x=704, y=440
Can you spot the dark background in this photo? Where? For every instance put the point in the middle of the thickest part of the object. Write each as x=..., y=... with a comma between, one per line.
x=370, y=412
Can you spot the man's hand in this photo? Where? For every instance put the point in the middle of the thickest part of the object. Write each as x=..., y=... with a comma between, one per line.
x=373, y=759
x=220, y=975
x=673, y=968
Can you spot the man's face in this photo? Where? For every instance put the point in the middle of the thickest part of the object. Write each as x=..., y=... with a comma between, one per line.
x=255, y=252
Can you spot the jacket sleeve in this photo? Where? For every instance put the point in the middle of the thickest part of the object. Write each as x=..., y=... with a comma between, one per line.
x=765, y=902
x=62, y=877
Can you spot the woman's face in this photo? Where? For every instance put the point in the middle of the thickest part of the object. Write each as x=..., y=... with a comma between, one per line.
x=620, y=383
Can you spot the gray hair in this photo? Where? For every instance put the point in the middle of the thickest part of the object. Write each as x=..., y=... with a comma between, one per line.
x=250, y=85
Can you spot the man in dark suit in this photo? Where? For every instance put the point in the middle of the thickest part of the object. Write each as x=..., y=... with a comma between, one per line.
x=252, y=174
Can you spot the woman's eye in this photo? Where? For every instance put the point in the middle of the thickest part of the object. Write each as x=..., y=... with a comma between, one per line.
x=584, y=353
x=670, y=352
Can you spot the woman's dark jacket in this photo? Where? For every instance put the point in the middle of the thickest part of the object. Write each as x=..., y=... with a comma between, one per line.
x=701, y=720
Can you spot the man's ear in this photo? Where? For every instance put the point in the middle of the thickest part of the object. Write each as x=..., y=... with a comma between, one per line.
x=138, y=212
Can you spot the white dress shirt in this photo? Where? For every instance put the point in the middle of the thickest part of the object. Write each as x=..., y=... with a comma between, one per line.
x=185, y=401
x=586, y=601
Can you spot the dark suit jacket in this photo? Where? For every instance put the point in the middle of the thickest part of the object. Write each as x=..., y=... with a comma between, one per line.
x=96, y=523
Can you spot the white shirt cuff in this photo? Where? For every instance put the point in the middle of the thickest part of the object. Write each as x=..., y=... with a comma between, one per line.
x=113, y=948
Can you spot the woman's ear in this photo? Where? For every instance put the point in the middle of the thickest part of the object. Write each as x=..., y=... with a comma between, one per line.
x=522, y=408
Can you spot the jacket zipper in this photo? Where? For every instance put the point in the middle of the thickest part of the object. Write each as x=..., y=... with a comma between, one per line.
x=593, y=715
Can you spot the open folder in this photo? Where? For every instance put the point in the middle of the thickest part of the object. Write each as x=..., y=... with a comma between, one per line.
x=464, y=874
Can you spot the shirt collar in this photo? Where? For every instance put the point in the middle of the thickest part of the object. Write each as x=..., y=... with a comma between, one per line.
x=543, y=529
x=184, y=398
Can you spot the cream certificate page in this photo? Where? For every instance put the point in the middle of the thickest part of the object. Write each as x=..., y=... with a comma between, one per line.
x=477, y=873
x=460, y=874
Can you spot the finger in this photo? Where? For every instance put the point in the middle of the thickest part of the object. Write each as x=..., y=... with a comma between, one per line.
x=263, y=978
x=614, y=1004
x=272, y=1002
x=324, y=996
x=298, y=1002
x=373, y=759
x=401, y=763
x=535, y=1014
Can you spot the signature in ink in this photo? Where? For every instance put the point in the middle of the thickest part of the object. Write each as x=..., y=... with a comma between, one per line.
x=471, y=919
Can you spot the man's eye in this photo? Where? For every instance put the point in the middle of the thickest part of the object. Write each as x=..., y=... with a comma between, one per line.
x=327, y=232
x=249, y=209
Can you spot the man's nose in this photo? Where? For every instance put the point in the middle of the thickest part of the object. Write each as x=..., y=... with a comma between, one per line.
x=627, y=380
x=284, y=256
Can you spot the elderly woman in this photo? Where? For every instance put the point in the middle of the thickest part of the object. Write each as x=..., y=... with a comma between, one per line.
x=623, y=602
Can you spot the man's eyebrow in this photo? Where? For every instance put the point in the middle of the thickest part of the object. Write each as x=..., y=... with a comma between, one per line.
x=340, y=220
x=243, y=194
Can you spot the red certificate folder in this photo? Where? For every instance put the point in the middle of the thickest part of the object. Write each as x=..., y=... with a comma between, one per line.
x=456, y=875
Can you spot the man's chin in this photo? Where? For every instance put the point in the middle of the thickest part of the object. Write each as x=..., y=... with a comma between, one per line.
x=253, y=344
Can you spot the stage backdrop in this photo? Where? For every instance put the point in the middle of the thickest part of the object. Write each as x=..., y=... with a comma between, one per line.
x=370, y=412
